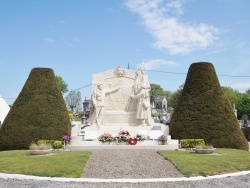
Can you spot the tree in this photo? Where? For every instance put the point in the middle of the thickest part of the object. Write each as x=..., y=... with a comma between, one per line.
x=232, y=95
x=244, y=105
x=156, y=90
x=168, y=95
x=74, y=101
x=203, y=111
x=175, y=97
x=62, y=84
x=39, y=112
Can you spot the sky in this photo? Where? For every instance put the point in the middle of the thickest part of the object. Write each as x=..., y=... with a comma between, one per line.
x=79, y=38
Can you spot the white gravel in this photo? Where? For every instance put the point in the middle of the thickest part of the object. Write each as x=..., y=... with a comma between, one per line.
x=123, y=165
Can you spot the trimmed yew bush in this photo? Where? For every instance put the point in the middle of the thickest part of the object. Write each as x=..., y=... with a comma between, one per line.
x=38, y=113
x=203, y=111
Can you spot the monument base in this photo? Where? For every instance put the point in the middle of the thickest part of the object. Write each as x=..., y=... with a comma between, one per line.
x=87, y=138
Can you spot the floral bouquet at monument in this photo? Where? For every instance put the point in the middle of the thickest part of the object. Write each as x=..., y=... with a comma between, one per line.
x=106, y=137
x=123, y=136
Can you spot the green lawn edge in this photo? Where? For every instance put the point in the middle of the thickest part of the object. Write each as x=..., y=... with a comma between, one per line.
x=222, y=161
x=69, y=164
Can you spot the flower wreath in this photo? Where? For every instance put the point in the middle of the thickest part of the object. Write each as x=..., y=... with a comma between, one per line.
x=132, y=141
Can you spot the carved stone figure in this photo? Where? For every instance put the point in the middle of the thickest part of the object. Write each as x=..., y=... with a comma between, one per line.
x=98, y=100
x=143, y=112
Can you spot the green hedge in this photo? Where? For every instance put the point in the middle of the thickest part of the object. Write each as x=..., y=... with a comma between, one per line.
x=203, y=111
x=38, y=113
x=192, y=143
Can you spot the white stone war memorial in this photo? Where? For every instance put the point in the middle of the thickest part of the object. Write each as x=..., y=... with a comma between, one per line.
x=120, y=101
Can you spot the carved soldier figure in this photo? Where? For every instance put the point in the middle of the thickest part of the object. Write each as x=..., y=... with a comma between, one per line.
x=98, y=100
x=143, y=105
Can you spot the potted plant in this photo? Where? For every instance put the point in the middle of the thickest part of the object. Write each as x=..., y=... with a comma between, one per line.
x=66, y=139
x=206, y=149
x=106, y=138
x=40, y=149
x=163, y=139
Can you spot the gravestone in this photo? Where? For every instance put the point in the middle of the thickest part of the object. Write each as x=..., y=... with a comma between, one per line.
x=117, y=95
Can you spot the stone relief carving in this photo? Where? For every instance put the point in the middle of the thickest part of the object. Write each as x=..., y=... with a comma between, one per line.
x=98, y=100
x=120, y=71
x=121, y=98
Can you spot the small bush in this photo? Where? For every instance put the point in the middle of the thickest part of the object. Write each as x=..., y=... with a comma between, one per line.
x=41, y=146
x=204, y=147
x=192, y=143
x=56, y=144
x=44, y=146
x=33, y=146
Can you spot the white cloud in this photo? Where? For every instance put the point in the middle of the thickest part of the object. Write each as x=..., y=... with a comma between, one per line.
x=172, y=34
x=154, y=64
x=48, y=39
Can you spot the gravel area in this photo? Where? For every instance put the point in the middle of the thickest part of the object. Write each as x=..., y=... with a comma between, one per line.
x=132, y=164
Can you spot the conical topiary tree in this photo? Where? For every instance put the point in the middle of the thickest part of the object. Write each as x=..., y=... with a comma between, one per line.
x=203, y=111
x=39, y=112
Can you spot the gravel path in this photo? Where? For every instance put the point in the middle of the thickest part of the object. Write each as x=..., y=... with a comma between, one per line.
x=133, y=164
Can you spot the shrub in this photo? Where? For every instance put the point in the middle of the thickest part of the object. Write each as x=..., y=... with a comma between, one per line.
x=41, y=146
x=33, y=146
x=56, y=144
x=203, y=111
x=39, y=112
x=192, y=143
x=44, y=146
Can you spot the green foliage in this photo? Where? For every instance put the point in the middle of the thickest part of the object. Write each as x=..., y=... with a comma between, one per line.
x=33, y=146
x=232, y=95
x=192, y=143
x=55, y=143
x=156, y=90
x=244, y=106
x=203, y=111
x=62, y=84
x=39, y=112
x=168, y=95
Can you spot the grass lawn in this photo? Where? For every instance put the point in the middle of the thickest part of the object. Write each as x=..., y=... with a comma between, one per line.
x=71, y=163
x=59, y=164
x=191, y=164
